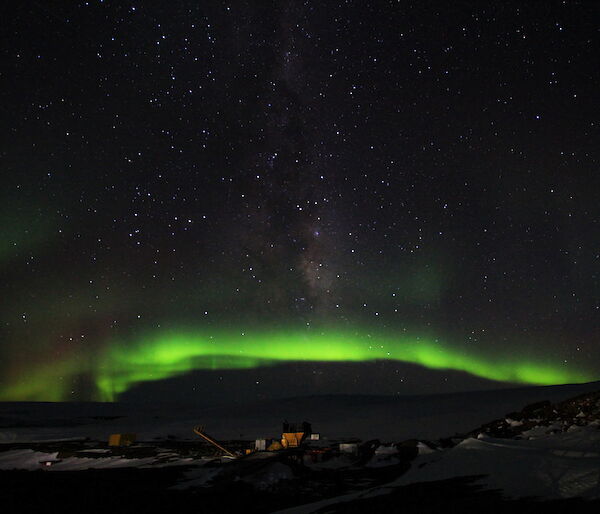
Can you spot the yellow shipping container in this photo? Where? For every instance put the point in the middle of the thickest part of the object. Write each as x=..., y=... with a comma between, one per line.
x=121, y=439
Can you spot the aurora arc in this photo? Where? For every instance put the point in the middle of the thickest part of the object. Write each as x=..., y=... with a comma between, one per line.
x=120, y=367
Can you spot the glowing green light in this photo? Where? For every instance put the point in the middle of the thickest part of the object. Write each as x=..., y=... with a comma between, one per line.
x=172, y=354
x=42, y=383
x=159, y=356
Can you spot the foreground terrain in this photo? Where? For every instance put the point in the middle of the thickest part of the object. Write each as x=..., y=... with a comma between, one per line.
x=541, y=452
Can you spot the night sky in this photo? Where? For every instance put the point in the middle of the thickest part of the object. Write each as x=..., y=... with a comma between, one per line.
x=285, y=197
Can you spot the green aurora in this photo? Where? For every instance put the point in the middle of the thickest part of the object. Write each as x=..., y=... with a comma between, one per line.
x=119, y=367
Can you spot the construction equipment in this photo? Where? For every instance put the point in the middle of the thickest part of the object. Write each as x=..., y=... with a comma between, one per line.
x=294, y=434
x=199, y=430
x=275, y=446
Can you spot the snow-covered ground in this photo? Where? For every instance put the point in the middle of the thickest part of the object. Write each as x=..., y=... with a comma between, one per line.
x=552, y=453
x=31, y=460
x=565, y=465
x=547, y=451
x=562, y=465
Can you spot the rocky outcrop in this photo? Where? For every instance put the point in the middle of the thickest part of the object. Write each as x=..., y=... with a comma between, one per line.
x=581, y=410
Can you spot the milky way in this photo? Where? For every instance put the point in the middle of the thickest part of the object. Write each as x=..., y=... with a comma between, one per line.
x=408, y=182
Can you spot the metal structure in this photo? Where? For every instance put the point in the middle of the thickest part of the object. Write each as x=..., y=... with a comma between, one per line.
x=293, y=434
x=199, y=430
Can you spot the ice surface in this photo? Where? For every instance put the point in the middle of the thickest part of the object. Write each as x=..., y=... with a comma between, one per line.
x=388, y=418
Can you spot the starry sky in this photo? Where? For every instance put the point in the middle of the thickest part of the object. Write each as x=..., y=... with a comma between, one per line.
x=297, y=196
